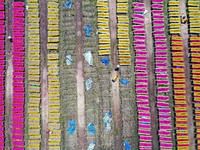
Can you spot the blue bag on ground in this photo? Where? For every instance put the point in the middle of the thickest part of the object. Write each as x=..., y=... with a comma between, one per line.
x=69, y=60
x=88, y=84
x=106, y=120
x=68, y=4
x=72, y=126
x=124, y=81
x=91, y=146
x=105, y=61
x=88, y=28
x=91, y=128
x=128, y=147
x=88, y=57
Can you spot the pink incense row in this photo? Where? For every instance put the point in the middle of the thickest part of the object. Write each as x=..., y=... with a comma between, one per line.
x=144, y=118
x=18, y=76
x=2, y=67
x=164, y=112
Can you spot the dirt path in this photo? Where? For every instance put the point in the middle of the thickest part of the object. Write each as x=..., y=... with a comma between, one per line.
x=80, y=76
x=9, y=76
x=115, y=86
x=184, y=34
x=44, y=77
x=26, y=59
x=151, y=76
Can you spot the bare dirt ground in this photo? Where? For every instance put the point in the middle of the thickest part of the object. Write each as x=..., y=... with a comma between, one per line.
x=115, y=86
x=127, y=96
x=128, y=109
x=80, y=76
x=151, y=76
x=44, y=77
x=185, y=36
x=9, y=76
x=68, y=83
x=106, y=137
x=92, y=100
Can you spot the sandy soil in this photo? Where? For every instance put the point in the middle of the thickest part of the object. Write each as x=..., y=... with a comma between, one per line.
x=184, y=34
x=44, y=77
x=151, y=75
x=115, y=86
x=9, y=77
x=80, y=76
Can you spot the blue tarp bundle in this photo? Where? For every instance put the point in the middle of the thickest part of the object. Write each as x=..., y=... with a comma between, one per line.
x=144, y=122
x=88, y=28
x=88, y=84
x=91, y=128
x=68, y=4
x=88, y=57
x=34, y=85
x=128, y=147
x=178, y=67
x=72, y=126
x=91, y=146
x=105, y=61
x=107, y=119
x=69, y=60
x=124, y=81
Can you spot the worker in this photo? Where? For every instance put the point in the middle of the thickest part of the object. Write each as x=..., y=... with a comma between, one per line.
x=10, y=38
x=50, y=132
x=114, y=78
x=183, y=19
x=117, y=69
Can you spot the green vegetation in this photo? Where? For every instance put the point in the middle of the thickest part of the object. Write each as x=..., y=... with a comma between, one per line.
x=117, y=132
x=9, y=140
x=85, y=5
x=44, y=57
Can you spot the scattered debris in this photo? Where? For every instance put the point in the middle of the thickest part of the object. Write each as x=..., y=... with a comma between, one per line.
x=105, y=61
x=69, y=60
x=128, y=147
x=68, y=4
x=88, y=57
x=88, y=84
x=72, y=126
x=91, y=146
x=91, y=128
x=107, y=119
x=117, y=69
x=114, y=78
x=88, y=28
x=124, y=81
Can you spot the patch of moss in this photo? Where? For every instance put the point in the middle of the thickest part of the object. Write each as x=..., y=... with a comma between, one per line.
x=85, y=5
x=92, y=0
x=9, y=140
x=117, y=132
